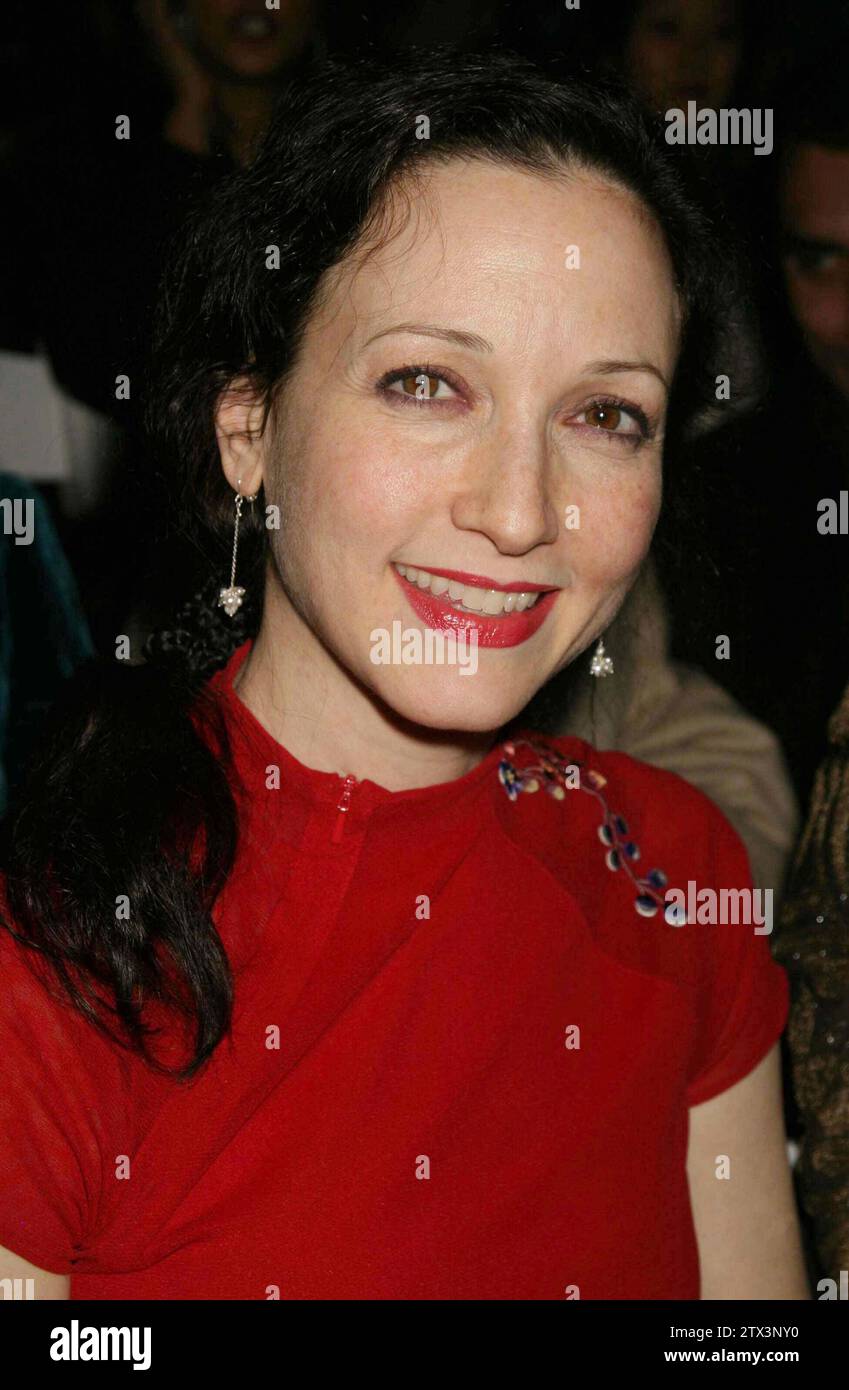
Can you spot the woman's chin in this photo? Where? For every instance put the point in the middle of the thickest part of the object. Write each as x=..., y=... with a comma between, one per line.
x=465, y=704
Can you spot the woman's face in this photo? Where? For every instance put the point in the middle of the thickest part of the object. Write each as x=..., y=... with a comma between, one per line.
x=482, y=397
x=248, y=37
x=685, y=50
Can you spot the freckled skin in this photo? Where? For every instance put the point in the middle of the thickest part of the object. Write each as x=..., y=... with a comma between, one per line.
x=477, y=479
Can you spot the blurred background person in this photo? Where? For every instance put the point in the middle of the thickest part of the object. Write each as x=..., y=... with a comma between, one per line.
x=814, y=219
x=779, y=582
x=225, y=61
x=811, y=342
x=160, y=101
x=677, y=51
x=812, y=942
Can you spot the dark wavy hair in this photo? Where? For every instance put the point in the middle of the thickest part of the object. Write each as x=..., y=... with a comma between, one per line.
x=128, y=796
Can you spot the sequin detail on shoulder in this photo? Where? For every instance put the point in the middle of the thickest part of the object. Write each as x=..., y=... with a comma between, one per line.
x=549, y=770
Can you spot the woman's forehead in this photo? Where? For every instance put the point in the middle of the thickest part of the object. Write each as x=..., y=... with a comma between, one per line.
x=512, y=255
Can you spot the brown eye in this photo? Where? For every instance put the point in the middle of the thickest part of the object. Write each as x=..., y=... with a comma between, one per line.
x=418, y=384
x=604, y=417
x=422, y=385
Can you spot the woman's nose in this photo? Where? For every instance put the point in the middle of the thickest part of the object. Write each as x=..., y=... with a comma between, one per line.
x=507, y=491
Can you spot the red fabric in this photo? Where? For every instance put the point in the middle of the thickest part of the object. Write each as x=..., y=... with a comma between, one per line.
x=408, y=1043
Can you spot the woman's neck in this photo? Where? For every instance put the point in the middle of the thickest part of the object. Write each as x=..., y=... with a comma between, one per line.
x=326, y=719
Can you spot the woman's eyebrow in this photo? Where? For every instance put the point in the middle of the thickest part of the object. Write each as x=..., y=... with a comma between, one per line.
x=604, y=367
x=607, y=367
x=430, y=330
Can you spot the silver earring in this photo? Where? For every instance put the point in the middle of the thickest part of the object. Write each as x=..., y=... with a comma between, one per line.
x=601, y=664
x=230, y=599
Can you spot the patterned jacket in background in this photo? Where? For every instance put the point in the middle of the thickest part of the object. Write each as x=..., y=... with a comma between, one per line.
x=812, y=943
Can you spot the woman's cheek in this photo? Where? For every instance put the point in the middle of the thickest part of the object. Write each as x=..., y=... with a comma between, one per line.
x=616, y=524
x=373, y=478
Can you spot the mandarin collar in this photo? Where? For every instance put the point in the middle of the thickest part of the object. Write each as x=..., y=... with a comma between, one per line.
x=255, y=749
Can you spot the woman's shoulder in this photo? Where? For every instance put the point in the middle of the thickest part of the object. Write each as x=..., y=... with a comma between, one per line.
x=662, y=884
x=633, y=799
x=629, y=842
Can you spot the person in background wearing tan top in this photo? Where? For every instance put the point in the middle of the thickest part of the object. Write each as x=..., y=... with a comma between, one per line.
x=674, y=716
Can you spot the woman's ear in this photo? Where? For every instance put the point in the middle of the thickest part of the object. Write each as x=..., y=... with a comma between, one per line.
x=239, y=432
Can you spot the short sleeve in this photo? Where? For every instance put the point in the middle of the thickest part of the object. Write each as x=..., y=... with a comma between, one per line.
x=60, y=1109
x=744, y=993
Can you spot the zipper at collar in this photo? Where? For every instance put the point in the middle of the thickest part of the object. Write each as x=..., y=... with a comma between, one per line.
x=342, y=807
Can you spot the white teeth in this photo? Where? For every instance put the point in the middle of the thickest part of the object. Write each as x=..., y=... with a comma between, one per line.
x=468, y=597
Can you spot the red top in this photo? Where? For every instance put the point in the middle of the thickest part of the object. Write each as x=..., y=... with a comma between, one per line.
x=484, y=1062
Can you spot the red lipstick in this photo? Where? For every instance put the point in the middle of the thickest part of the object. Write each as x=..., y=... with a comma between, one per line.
x=504, y=630
x=481, y=581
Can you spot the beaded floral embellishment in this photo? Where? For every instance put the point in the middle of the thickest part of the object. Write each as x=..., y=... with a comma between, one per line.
x=556, y=775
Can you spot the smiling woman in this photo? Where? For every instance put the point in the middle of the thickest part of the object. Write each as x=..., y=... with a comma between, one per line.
x=468, y=1052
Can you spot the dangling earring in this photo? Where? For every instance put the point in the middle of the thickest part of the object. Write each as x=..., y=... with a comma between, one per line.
x=601, y=664
x=231, y=599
